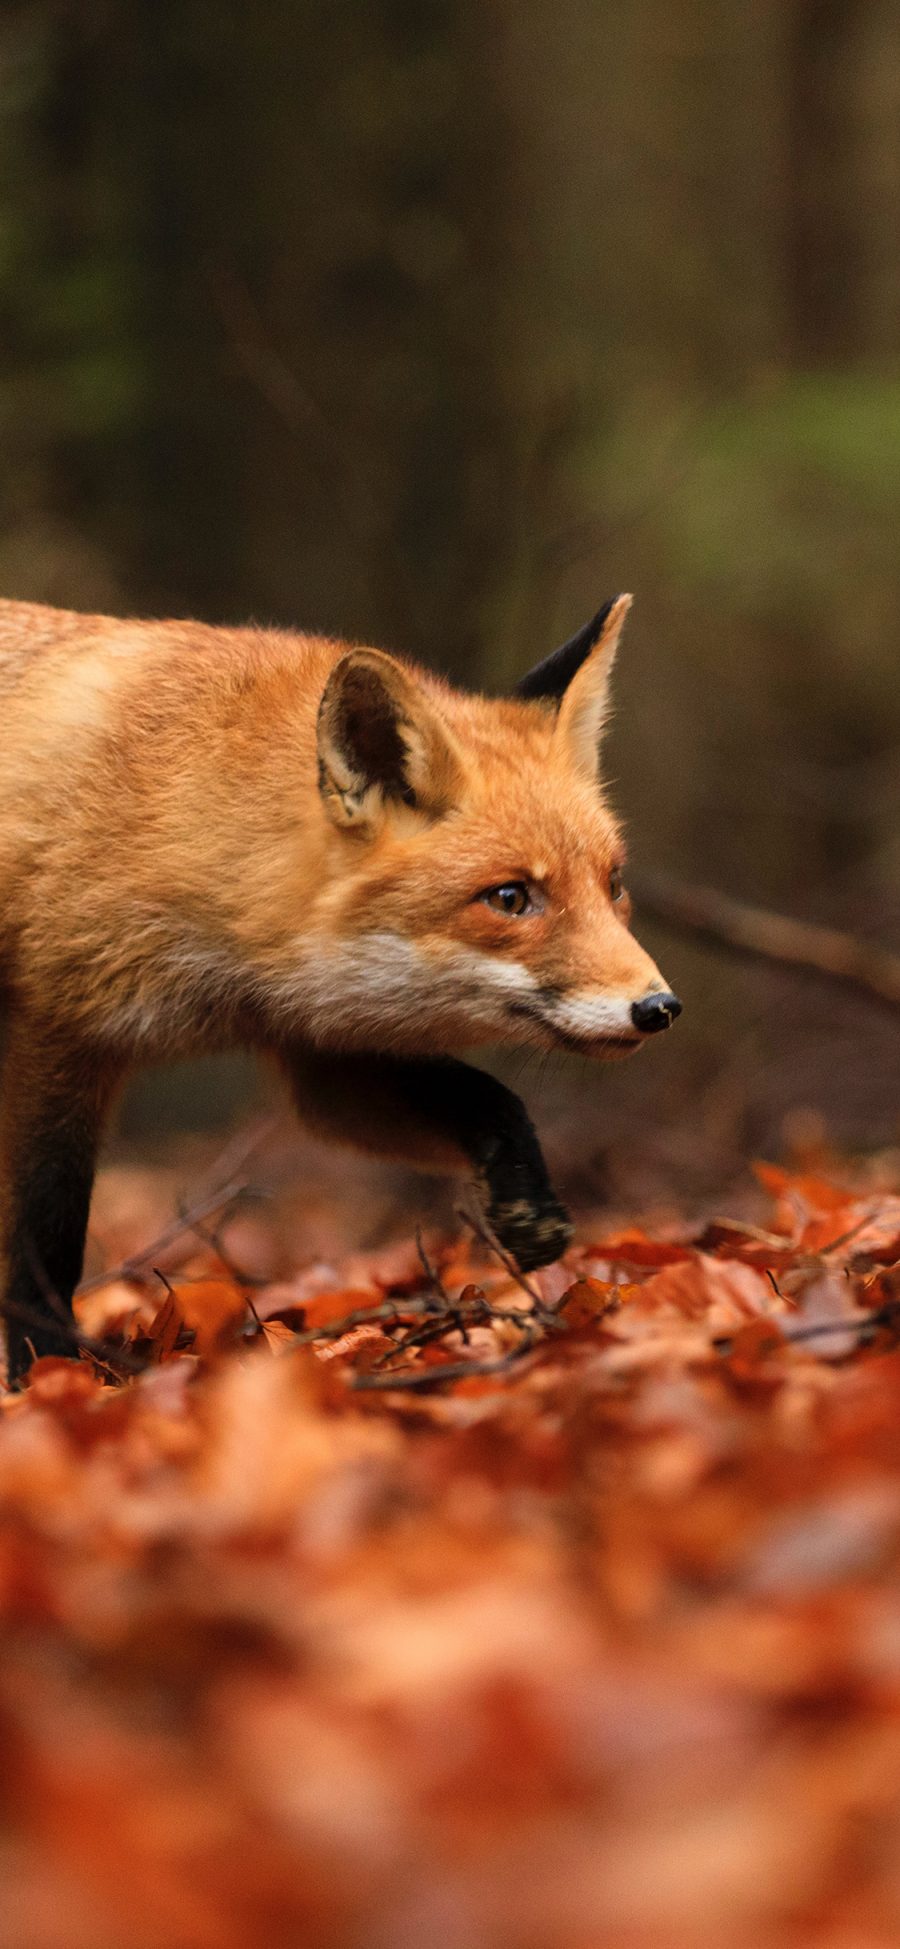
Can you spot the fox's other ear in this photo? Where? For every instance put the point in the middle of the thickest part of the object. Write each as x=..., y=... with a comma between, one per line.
x=380, y=743
x=551, y=679
x=585, y=704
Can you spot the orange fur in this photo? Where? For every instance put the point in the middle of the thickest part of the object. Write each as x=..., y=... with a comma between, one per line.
x=196, y=850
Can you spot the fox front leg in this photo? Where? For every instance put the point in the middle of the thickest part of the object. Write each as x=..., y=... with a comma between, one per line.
x=54, y=1096
x=440, y=1116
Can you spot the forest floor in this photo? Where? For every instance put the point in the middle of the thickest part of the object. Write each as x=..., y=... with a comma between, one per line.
x=394, y=1602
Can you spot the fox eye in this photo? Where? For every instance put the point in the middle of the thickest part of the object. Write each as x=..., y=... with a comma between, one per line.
x=616, y=884
x=512, y=899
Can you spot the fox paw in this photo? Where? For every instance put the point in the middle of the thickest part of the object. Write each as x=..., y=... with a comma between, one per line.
x=533, y=1234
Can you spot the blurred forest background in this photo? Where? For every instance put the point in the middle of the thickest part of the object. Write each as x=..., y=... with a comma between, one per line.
x=434, y=322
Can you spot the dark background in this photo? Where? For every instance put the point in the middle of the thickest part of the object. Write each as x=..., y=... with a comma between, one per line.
x=434, y=322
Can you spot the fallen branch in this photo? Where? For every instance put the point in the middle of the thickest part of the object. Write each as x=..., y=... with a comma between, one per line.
x=870, y=970
x=425, y=1380
x=863, y=1325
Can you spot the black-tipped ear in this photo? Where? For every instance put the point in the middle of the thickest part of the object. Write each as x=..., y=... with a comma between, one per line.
x=551, y=679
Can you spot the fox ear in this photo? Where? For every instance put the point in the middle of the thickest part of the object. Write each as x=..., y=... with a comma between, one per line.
x=585, y=703
x=549, y=680
x=380, y=744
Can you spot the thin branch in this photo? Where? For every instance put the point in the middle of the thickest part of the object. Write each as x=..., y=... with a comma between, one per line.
x=229, y=1189
x=864, y=1326
x=488, y=1238
x=212, y=1235
x=423, y=1380
x=388, y=1313
x=393, y=1312
x=140, y=1263
x=250, y=1304
x=862, y=965
x=422, y=1336
x=431, y=1271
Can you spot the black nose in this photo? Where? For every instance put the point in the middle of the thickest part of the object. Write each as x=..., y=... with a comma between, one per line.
x=655, y=1012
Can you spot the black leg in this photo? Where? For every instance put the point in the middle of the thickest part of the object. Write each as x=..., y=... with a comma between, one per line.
x=442, y=1116
x=495, y=1131
x=54, y=1097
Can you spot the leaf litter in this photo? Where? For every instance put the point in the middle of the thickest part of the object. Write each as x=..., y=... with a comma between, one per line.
x=402, y=1600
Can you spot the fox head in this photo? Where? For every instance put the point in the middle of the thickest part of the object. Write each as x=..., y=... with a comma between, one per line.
x=478, y=894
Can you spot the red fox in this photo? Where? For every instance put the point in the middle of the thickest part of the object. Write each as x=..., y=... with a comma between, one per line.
x=212, y=837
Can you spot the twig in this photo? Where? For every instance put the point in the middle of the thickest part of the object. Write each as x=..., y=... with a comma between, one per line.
x=455, y=1316
x=139, y=1263
x=391, y=1312
x=250, y=1304
x=228, y=1190
x=431, y=1271
x=422, y=1380
x=863, y=1326
x=870, y=970
x=546, y=1314
x=387, y=1313
x=212, y=1235
x=422, y=1336
x=834, y=1244
x=458, y=1316
x=165, y=1281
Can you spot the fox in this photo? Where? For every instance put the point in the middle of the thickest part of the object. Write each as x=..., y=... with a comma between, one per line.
x=212, y=837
